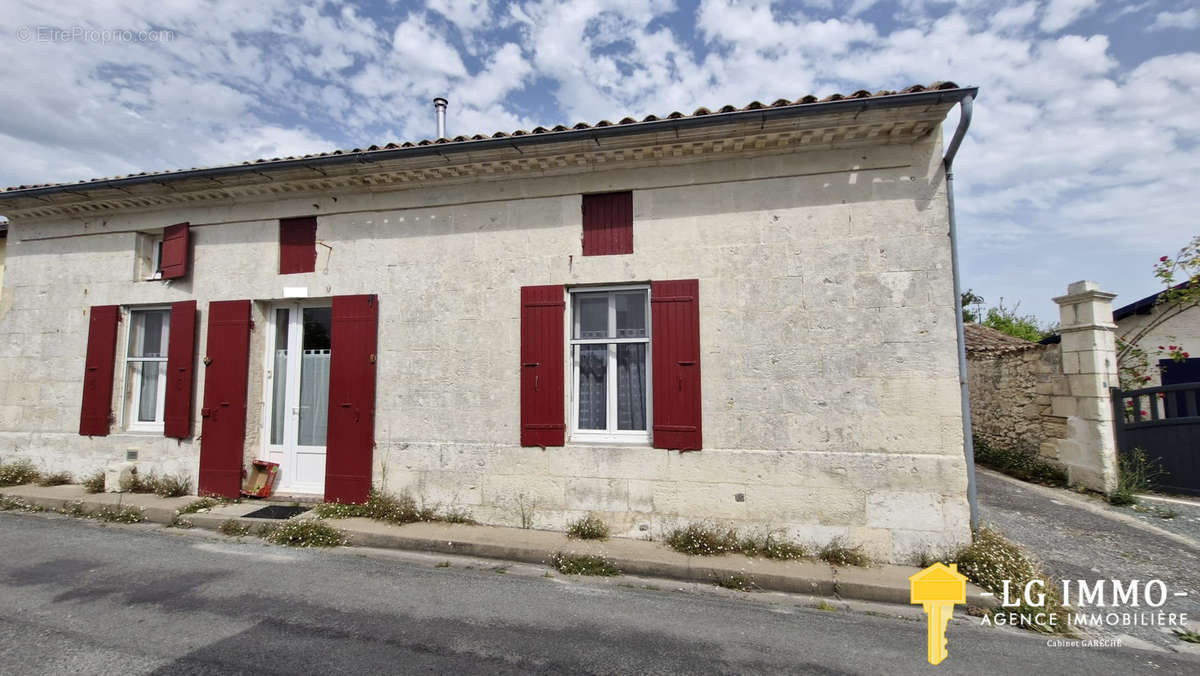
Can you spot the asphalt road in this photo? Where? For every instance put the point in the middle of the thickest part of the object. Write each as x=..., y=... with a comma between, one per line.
x=81, y=598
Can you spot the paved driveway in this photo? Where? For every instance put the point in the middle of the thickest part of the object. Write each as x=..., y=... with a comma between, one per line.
x=1077, y=537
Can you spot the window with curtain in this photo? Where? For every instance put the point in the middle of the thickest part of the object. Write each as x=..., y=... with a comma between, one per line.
x=146, y=369
x=610, y=343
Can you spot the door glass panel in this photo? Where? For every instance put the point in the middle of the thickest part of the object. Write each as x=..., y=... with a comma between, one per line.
x=631, y=386
x=593, y=390
x=314, y=376
x=631, y=315
x=279, y=375
x=592, y=309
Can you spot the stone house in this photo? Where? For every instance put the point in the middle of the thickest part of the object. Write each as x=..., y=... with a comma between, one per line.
x=743, y=315
x=1181, y=328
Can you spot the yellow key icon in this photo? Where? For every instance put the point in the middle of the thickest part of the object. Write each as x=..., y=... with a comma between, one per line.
x=937, y=589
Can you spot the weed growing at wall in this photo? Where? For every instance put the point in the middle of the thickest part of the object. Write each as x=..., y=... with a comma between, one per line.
x=1136, y=473
x=17, y=473
x=94, y=482
x=1020, y=464
x=702, y=539
x=771, y=546
x=306, y=533
x=838, y=553
x=583, y=564
x=166, y=486
x=389, y=508
x=55, y=479
x=588, y=528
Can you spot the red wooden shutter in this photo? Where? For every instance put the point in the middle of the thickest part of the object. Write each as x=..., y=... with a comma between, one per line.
x=350, y=435
x=675, y=320
x=608, y=224
x=297, y=245
x=181, y=359
x=174, y=259
x=542, y=348
x=223, y=428
x=96, y=410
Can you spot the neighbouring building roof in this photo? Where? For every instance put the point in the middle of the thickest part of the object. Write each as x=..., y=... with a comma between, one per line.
x=938, y=92
x=1143, y=306
x=985, y=340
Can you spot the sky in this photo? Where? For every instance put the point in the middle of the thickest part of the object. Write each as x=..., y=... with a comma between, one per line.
x=1078, y=164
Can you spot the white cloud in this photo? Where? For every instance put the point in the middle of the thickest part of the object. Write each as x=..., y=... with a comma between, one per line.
x=1061, y=13
x=1188, y=19
x=1014, y=16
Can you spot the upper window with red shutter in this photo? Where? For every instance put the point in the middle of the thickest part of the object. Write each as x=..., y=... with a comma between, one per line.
x=174, y=252
x=297, y=245
x=608, y=224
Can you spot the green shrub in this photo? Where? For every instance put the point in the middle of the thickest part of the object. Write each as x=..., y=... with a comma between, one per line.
x=702, y=539
x=583, y=564
x=94, y=483
x=991, y=559
x=119, y=514
x=588, y=528
x=306, y=533
x=18, y=472
x=55, y=479
x=233, y=528
x=1136, y=473
x=838, y=553
x=771, y=546
x=1023, y=465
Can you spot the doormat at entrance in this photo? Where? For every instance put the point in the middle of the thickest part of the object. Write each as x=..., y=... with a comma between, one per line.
x=276, y=512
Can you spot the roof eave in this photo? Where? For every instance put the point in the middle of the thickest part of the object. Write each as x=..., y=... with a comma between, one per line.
x=929, y=97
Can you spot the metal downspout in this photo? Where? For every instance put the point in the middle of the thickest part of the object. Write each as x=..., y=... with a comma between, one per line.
x=964, y=121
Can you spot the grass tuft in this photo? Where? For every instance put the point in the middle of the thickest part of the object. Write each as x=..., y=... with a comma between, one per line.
x=583, y=564
x=1136, y=473
x=178, y=521
x=306, y=533
x=55, y=479
x=18, y=472
x=233, y=528
x=1187, y=635
x=15, y=504
x=588, y=528
x=838, y=553
x=166, y=486
x=197, y=505
x=735, y=581
x=119, y=514
x=771, y=546
x=73, y=508
x=94, y=482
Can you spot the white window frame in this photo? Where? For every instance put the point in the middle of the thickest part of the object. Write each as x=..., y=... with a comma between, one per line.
x=612, y=434
x=131, y=380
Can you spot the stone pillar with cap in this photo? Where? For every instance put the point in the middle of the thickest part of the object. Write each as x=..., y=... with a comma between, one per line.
x=1089, y=362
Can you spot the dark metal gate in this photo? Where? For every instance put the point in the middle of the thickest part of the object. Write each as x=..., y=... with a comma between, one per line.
x=1165, y=423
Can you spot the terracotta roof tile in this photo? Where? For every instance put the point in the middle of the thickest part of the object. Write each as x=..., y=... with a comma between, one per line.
x=984, y=340
x=753, y=105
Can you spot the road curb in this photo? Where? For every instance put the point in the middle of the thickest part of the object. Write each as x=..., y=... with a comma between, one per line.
x=887, y=584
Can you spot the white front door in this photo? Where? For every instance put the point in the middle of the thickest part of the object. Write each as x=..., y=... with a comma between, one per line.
x=297, y=388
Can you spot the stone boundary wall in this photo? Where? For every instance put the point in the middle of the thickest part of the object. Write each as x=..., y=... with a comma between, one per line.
x=1011, y=399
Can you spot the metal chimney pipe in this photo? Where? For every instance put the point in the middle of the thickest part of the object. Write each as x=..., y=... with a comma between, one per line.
x=439, y=104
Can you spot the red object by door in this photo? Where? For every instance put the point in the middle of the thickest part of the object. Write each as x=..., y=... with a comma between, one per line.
x=608, y=224
x=175, y=249
x=223, y=425
x=542, y=310
x=96, y=408
x=350, y=435
x=297, y=245
x=181, y=360
x=675, y=320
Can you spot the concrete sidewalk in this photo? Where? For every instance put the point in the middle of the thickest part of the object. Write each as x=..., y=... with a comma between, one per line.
x=884, y=583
